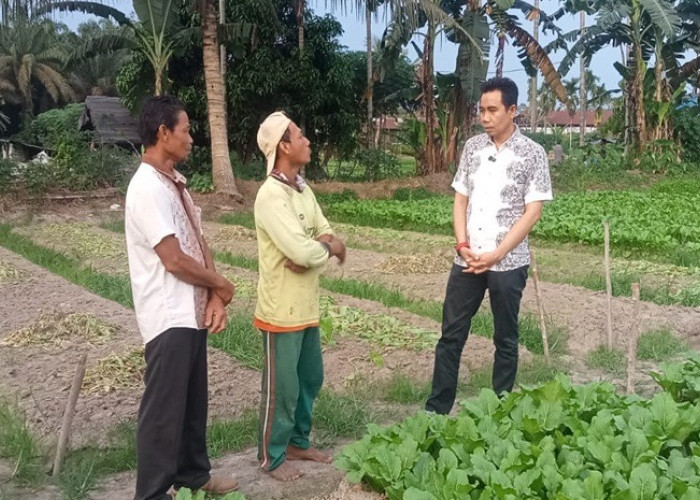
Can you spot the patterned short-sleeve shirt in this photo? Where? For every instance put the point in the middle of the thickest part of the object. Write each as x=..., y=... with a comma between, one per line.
x=499, y=182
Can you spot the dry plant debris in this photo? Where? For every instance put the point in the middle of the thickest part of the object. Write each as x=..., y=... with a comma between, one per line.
x=378, y=329
x=415, y=264
x=116, y=371
x=79, y=239
x=53, y=329
x=9, y=273
x=226, y=237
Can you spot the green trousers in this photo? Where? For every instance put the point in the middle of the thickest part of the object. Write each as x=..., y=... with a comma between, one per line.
x=291, y=378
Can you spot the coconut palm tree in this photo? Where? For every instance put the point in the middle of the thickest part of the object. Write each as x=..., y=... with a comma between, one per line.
x=31, y=64
x=157, y=36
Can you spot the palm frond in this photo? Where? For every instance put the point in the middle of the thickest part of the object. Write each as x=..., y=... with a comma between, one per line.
x=540, y=59
x=663, y=14
x=94, y=8
x=54, y=82
x=105, y=44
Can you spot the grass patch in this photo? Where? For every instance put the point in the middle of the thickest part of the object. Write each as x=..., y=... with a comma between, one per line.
x=242, y=261
x=85, y=466
x=241, y=340
x=379, y=293
x=403, y=389
x=536, y=372
x=114, y=225
x=18, y=446
x=114, y=287
x=233, y=435
x=609, y=360
x=337, y=415
x=476, y=380
x=659, y=345
x=245, y=219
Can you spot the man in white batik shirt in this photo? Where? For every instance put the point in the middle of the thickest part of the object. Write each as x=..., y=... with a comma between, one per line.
x=500, y=187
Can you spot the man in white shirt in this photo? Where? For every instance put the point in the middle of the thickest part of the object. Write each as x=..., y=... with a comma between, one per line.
x=178, y=296
x=500, y=187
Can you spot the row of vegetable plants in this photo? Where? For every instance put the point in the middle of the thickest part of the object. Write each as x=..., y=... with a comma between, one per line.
x=556, y=441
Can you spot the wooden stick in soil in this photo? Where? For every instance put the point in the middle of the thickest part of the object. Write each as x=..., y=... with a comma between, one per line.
x=632, y=341
x=540, y=306
x=608, y=281
x=68, y=414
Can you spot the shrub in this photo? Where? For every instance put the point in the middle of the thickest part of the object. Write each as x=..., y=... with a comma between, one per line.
x=7, y=168
x=686, y=125
x=369, y=165
x=51, y=128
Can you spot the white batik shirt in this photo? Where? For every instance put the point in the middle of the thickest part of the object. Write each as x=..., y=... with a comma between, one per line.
x=499, y=182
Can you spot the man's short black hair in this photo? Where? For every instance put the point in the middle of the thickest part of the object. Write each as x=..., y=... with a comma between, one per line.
x=508, y=88
x=157, y=111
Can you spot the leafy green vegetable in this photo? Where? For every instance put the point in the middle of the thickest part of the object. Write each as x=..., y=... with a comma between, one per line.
x=555, y=441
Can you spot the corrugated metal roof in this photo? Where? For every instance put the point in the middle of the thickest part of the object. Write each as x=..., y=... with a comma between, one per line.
x=110, y=119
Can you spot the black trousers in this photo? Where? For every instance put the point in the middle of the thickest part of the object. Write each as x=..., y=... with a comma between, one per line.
x=465, y=292
x=171, y=443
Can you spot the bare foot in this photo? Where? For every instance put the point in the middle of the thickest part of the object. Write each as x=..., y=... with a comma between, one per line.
x=285, y=473
x=294, y=453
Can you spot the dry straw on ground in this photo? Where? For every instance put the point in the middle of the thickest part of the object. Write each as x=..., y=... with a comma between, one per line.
x=79, y=239
x=227, y=236
x=53, y=329
x=116, y=371
x=9, y=273
x=415, y=264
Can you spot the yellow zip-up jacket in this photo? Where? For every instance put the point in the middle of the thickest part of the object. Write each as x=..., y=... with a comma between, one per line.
x=287, y=223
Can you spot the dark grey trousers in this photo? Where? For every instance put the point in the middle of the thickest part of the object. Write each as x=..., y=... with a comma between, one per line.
x=465, y=292
x=171, y=443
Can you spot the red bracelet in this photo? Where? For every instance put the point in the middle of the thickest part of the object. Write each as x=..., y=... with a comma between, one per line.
x=461, y=245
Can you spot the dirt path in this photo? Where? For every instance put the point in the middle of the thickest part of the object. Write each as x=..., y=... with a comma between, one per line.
x=320, y=481
x=40, y=378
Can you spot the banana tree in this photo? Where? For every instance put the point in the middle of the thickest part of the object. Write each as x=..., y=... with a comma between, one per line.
x=155, y=35
x=641, y=25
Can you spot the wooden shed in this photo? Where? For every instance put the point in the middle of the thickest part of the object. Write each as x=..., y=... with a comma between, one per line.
x=111, y=121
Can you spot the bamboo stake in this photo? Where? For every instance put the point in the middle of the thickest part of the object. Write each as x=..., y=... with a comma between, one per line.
x=68, y=414
x=632, y=342
x=608, y=281
x=540, y=306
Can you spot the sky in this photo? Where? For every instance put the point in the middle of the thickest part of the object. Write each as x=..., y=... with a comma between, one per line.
x=445, y=52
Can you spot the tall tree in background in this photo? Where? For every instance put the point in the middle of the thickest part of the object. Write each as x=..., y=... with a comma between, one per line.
x=221, y=169
x=533, y=78
x=32, y=62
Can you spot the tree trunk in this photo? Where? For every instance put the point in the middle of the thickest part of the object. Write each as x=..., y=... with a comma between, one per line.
x=222, y=47
x=499, y=55
x=583, y=94
x=533, y=79
x=301, y=4
x=636, y=89
x=370, y=80
x=429, y=164
x=158, y=83
x=222, y=173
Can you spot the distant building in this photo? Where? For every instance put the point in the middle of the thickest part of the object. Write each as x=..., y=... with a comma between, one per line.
x=111, y=122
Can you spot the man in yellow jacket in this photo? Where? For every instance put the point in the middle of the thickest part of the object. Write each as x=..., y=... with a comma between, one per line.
x=294, y=242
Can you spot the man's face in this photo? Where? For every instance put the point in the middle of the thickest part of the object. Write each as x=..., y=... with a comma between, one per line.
x=177, y=142
x=496, y=119
x=298, y=149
